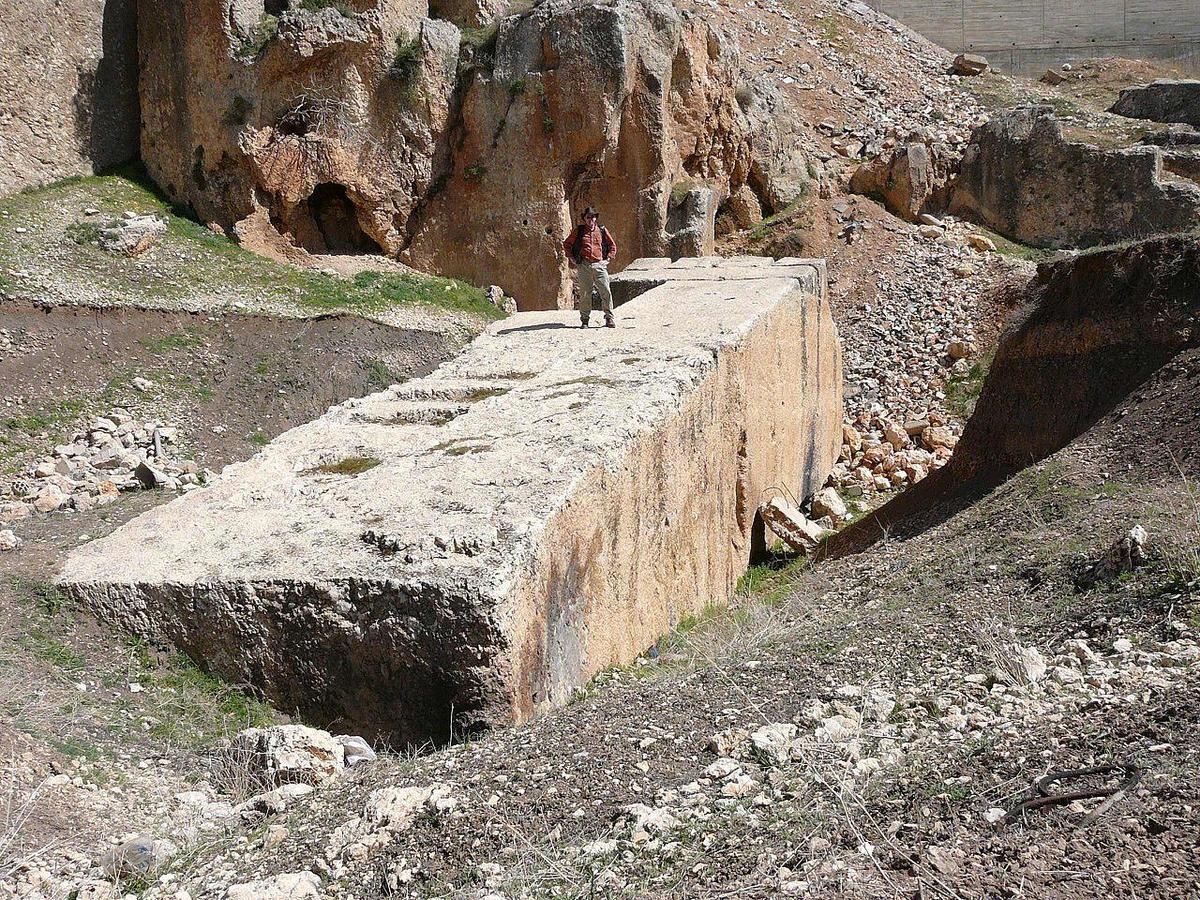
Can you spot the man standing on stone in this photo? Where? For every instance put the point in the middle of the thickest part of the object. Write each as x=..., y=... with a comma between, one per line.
x=589, y=246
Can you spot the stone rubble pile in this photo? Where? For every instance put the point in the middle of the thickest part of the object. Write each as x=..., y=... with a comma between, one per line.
x=115, y=453
x=291, y=760
x=880, y=455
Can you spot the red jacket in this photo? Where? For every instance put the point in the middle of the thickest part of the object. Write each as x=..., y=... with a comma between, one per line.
x=592, y=249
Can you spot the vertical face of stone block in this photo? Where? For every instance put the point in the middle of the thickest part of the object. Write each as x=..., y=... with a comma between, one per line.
x=467, y=549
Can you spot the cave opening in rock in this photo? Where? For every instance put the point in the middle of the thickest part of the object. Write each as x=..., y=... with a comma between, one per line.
x=275, y=7
x=327, y=222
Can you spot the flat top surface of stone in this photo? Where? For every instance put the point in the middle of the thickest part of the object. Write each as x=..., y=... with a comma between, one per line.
x=708, y=268
x=448, y=476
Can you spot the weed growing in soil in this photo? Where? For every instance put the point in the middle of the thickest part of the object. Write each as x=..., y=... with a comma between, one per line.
x=962, y=392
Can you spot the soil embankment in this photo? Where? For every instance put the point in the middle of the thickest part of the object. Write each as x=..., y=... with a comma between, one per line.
x=1093, y=330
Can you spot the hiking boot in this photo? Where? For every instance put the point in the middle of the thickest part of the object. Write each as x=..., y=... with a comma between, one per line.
x=585, y=323
x=610, y=322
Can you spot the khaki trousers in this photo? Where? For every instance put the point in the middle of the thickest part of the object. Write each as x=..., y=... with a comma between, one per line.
x=595, y=275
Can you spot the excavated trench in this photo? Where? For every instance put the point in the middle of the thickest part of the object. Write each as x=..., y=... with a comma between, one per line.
x=248, y=377
x=1093, y=332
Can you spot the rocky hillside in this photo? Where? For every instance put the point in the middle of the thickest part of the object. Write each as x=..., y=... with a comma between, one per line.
x=864, y=727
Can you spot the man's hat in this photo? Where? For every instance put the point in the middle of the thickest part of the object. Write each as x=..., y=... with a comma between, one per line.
x=590, y=211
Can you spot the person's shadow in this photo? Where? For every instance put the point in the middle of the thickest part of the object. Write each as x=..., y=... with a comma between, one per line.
x=542, y=326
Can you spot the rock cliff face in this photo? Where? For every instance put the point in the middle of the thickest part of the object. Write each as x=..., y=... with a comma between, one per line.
x=472, y=546
x=1022, y=178
x=68, y=89
x=373, y=127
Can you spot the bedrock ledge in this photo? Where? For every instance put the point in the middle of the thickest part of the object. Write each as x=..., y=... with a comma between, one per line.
x=464, y=550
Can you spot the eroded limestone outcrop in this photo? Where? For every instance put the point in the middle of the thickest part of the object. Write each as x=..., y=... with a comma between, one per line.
x=1166, y=100
x=68, y=89
x=465, y=153
x=470, y=547
x=1022, y=178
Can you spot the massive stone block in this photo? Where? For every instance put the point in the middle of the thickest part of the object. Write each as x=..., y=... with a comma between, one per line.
x=466, y=549
x=1022, y=178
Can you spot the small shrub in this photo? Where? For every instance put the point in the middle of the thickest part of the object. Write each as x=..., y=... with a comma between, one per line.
x=85, y=234
x=406, y=65
x=480, y=41
x=516, y=88
x=474, y=174
x=254, y=43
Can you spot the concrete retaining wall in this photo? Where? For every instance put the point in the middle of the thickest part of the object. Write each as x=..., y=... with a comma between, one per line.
x=68, y=89
x=470, y=547
x=1031, y=35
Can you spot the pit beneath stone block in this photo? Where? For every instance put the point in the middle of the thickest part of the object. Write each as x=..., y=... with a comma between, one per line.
x=486, y=564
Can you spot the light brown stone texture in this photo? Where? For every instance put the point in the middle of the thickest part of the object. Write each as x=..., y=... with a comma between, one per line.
x=470, y=547
x=68, y=89
x=388, y=131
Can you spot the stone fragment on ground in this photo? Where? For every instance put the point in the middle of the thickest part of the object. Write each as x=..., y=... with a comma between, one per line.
x=970, y=64
x=132, y=235
x=791, y=525
x=291, y=886
x=288, y=754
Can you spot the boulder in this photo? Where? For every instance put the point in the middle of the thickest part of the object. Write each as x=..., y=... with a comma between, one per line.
x=1020, y=177
x=969, y=64
x=288, y=754
x=1166, y=100
x=909, y=179
x=828, y=502
x=791, y=526
x=132, y=236
x=9, y=540
x=355, y=748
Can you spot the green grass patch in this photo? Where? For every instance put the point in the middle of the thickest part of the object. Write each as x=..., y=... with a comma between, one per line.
x=1015, y=249
x=190, y=263
x=52, y=416
x=258, y=438
x=351, y=465
x=189, y=337
x=53, y=651
x=193, y=708
x=379, y=374
x=962, y=391
x=786, y=216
